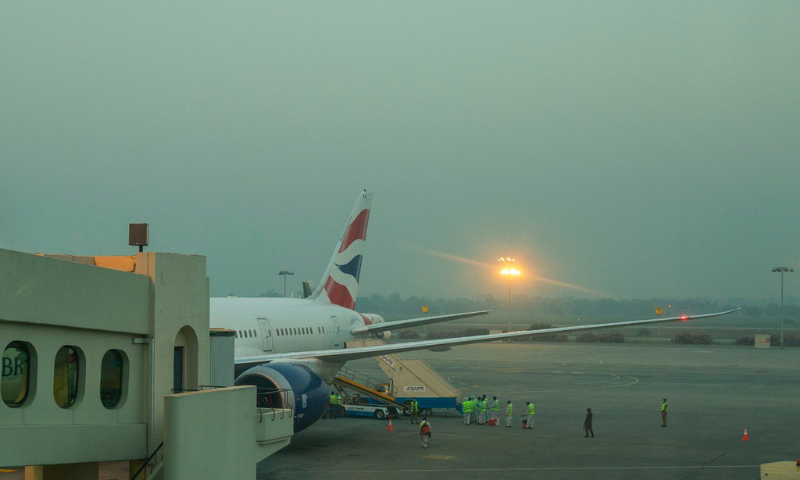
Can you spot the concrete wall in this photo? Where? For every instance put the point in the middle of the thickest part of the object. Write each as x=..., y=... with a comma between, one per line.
x=234, y=449
x=46, y=291
x=180, y=303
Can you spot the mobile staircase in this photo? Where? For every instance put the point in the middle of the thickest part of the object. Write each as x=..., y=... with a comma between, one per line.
x=414, y=378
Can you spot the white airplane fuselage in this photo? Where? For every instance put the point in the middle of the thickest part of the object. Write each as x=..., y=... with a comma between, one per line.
x=282, y=325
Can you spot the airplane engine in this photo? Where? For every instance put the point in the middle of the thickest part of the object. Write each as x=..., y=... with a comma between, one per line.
x=374, y=318
x=284, y=385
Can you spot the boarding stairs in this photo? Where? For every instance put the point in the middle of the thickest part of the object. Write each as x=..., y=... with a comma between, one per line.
x=410, y=377
x=365, y=386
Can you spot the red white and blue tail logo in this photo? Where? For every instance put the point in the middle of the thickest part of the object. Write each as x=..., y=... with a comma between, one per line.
x=339, y=285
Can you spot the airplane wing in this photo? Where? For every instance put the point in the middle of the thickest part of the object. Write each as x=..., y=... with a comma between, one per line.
x=343, y=355
x=413, y=322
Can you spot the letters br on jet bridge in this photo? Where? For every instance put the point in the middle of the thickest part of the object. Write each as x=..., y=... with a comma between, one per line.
x=414, y=378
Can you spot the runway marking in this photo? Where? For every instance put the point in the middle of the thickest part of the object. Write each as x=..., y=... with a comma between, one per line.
x=527, y=469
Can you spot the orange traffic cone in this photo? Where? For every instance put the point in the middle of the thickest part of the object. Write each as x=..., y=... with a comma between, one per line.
x=390, y=428
x=745, y=438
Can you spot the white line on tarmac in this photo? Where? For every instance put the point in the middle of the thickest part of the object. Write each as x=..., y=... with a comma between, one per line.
x=523, y=469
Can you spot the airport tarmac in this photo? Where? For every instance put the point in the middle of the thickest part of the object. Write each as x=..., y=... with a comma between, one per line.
x=714, y=393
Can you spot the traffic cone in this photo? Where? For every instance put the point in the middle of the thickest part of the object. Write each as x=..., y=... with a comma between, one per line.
x=745, y=437
x=390, y=428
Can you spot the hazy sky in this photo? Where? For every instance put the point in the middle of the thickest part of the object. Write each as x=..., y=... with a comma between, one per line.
x=635, y=148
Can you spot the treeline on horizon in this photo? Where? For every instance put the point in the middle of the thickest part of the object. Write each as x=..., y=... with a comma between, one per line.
x=394, y=306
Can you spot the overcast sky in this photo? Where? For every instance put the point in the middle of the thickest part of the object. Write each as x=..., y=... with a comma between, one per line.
x=633, y=149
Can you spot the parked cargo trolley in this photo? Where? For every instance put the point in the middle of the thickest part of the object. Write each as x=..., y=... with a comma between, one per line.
x=367, y=407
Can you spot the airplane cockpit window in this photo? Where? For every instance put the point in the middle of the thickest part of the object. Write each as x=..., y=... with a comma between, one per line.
x=111, y=379
x=16, y=368
x=65, y=378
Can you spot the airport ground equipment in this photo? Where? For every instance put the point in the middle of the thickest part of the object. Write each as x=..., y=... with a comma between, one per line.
x=780, y=471
x=370, y=408
x=410, y=378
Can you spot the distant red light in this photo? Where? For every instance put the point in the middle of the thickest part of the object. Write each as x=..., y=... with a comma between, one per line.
x=684, y=318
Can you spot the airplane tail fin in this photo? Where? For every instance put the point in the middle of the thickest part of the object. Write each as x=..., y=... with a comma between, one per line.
x=339, y=284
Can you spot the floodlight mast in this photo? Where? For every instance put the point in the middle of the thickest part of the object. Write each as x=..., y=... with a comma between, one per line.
x=782, y=270
x=509, y=272
x=284, y=273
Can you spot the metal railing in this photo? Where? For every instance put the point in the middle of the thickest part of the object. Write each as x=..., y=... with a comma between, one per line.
x=367, y=381
x=274, y=401
x=146, y=462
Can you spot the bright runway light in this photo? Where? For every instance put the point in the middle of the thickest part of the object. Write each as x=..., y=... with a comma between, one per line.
x=509, y=271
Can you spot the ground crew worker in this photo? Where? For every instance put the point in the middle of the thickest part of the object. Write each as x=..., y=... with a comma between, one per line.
x=484, y=409
x=529, y=415
x=495, y=408
x=664, y=407
x=509, y=413
x=425, y=432
x=414, y=410
x=331, y=405
x=475, y=408
x=587, y=424
x=467, y=407
x=338, y=406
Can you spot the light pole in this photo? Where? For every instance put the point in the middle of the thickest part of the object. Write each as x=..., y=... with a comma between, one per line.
x=782, y=270
x=509, y=272
x=284, y=273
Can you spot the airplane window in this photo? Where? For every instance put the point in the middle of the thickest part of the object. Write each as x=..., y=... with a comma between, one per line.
x=16, y=365
x=65, y=379
x=111, y=379
x=255, y=333
x=237, y=334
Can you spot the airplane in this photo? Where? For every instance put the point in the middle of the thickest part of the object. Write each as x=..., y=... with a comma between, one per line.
x=292, y=348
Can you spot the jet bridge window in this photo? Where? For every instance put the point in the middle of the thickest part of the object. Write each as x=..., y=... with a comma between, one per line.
x=66, y=376
x=111, y=379
x=16, y=374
